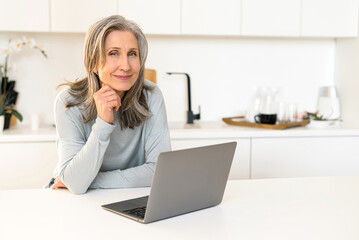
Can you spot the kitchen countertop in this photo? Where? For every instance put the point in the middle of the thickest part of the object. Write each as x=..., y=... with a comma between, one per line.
x=200, y=130
x=223, y=130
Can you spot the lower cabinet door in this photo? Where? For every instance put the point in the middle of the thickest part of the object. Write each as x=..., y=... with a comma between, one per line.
x=304, y=157
x=240, y=164
x=26, y=165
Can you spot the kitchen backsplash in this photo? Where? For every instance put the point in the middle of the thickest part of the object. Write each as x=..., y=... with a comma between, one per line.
x=223, y=71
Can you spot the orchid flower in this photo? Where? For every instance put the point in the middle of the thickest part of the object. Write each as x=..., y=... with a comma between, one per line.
x=14, y=47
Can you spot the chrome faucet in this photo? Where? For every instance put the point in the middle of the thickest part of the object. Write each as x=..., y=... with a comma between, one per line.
x=190, y=115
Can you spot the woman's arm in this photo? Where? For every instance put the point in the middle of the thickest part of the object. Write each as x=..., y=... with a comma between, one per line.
x=140, y=176
x=79, y=158
x=157, y=141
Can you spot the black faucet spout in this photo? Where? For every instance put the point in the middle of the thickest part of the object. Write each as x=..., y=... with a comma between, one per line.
x=190, y=115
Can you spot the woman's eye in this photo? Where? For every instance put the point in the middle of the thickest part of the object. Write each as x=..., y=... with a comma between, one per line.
x=132, y=54
x=113, y=53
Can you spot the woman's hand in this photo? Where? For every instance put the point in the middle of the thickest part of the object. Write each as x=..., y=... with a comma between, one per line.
x=58, y=184
x=107, y=100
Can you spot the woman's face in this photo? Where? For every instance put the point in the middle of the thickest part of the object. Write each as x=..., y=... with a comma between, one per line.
x=122, y=64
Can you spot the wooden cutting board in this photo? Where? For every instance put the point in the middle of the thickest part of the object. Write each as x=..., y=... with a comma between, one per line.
x=240, y=121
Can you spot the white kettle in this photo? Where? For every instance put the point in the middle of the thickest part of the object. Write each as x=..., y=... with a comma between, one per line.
x=328, y=104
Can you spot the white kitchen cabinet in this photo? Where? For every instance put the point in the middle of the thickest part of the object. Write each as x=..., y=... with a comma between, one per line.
x=153, y=16
x=330, y=18
x=255, y=18
x=26, y=165
x=24, y=15
x=203, y=17
x=305, y=157
x=241, y=161
x=79, y=15
x=271, y=18
x=28, y=158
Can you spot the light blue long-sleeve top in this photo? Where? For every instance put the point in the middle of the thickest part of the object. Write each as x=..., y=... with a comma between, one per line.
x=101, y=155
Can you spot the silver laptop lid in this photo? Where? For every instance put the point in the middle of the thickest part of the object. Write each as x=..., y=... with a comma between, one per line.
x=189, y=180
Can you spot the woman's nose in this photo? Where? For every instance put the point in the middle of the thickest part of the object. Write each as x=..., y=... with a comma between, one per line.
x=124, y=64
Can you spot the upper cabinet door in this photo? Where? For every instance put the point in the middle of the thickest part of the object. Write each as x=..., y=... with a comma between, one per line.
x=202, y=17
x=330, y=18
x=24, y=15
x=79, y=15
x=153, y=16
x=271, y=17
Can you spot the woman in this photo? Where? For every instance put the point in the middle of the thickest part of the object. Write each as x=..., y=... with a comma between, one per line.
x=112, y=124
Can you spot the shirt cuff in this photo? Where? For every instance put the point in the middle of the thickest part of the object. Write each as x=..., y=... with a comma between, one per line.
x=102, y=129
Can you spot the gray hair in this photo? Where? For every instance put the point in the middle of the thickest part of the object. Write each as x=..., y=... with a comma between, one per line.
x=134, y=109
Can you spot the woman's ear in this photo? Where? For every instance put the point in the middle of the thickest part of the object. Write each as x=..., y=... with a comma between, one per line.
x=95, y=69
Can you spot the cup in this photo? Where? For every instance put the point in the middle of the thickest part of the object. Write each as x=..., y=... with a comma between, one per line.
x=282, y=112
x=287, y=112
x=34, y=121
x=265, y=118
x=292, y=112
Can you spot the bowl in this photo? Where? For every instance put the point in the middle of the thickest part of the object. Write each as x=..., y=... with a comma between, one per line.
x=323, y=123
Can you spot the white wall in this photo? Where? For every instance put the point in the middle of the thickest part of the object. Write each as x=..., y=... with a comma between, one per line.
x=223, y=71
x=347, y=78
x=37, y=77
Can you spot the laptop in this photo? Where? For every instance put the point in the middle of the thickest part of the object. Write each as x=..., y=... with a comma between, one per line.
x=184, y=181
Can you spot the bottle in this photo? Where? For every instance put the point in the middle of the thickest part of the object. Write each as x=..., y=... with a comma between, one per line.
x=255, y=103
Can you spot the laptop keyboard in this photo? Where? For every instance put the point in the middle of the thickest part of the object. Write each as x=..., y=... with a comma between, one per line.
x=137, y=212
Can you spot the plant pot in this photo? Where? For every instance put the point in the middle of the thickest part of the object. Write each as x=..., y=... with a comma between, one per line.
x=7, y=120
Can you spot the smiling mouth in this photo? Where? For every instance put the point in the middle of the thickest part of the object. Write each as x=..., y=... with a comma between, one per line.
x=122, y=77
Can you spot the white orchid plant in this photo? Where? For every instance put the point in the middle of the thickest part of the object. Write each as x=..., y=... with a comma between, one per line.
x=14, y=47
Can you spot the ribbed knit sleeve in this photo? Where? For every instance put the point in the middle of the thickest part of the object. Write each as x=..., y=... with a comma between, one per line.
x=79, y=158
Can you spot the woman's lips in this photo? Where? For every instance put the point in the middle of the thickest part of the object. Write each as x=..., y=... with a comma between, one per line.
x=123, y=77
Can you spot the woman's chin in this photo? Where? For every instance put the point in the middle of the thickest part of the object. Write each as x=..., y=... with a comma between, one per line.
x=121, y=88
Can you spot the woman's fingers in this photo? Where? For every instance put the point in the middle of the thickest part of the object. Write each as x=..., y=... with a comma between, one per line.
x=118, y=102
x=104, y=88
x=107, y=100
x=112, y=105
x=58, y=184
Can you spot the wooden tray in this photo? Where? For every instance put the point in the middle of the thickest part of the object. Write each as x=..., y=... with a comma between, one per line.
x=240, y=121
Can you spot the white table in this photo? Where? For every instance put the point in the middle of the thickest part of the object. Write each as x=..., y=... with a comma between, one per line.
x=296, y=208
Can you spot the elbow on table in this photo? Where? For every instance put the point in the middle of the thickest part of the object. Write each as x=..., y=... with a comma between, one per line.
x=77, y=190
x=74, y=185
